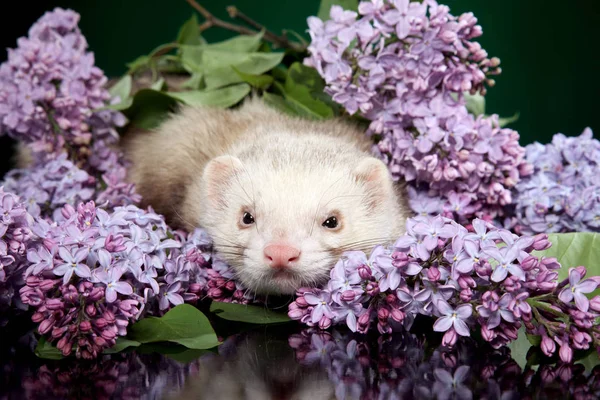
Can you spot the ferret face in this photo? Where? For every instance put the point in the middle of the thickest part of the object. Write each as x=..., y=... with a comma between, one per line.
x=284, y=227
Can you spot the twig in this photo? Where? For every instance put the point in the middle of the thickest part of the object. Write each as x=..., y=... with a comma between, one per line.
x=235, y=13
x=211, y=21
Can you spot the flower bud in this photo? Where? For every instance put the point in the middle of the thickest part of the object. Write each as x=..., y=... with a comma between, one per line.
x=565, y=352
x=348, y=295
x=449, y=338
x=541, y=242
x=399, y=259
x=108, y=334
x=38, y=317
x=383, y=314
x=195, y=288
x=529, y=263
x=548, y=346
x=47, y=284
x=45, y=326
x=301, y=302
x=296, y=314
x=85, y=326
x=324, y=323
x=54, y=304
x=100, y=322
x=487, y=334
x=433, y=274
x=397, y=315
x=595, y=303
x=364, y=272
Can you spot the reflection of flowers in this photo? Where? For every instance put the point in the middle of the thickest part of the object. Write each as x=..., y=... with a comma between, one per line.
x=403, y=366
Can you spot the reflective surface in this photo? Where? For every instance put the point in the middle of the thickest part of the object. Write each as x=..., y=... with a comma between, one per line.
x=274, y=363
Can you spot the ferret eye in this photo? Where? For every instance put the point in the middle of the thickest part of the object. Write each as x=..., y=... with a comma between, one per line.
x=331, y=223
x=247, y=219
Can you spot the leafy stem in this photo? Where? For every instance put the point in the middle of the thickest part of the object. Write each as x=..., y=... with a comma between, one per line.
x=211, y=21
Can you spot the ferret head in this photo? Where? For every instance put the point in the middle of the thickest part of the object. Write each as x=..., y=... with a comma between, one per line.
x=282, y=220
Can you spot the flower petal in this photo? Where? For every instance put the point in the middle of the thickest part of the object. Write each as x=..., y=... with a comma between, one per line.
x=442, y=324
x=461, y=327
x=581, y=301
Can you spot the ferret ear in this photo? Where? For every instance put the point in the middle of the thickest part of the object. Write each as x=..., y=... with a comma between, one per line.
x=375, y=177
x=217, y=174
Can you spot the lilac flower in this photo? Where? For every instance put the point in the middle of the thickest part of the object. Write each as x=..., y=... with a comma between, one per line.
x=319, y=299
x=577, y=290
x=505, y=258
x=113, y=286
x=72, y=264
x=562, y=193
x=169, y=295
x=453, y=318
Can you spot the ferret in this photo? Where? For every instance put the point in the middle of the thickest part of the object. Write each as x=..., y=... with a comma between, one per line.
x=282, y=197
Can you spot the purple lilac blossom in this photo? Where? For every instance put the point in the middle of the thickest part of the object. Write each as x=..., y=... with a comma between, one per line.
x=484, y=266
x=15, y=234
x=94, y=272
x=563, y=194
x=405, y=66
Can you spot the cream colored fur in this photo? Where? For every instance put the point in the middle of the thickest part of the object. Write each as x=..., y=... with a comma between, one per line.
x=290, y=174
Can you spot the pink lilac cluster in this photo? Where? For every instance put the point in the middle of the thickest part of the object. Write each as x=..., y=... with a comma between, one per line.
x=406, y=366
x=483, y=278
x=405, y=66
x=15, y=233
x=563, y=194
x=91, y=273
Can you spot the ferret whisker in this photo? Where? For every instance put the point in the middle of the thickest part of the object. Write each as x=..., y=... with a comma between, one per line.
x=319, y=205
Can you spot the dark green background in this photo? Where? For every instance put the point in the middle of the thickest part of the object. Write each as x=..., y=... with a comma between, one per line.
x=549, y=49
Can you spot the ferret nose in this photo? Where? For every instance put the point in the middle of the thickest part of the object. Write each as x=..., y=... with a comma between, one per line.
x=280, y=256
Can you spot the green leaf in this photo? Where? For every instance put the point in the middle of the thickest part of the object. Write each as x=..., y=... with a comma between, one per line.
x=122, y=88
x=224, y=97
x=258, y=81
x=279, y=103
x=218, y=66
x=158, y=85
x=575, y=249
x=535, y=340
x=246, y=313
x=519, y=348
x=508, y=120
x=191, y=58
x=239, y=44
x=121, y=344
x=194, y=82
x=184, y=324
x=46, y=350
x=300, y=83
x=189, y=33
x=149, y=108
x=326, y=6
x=590, y=361
x=475, y=103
